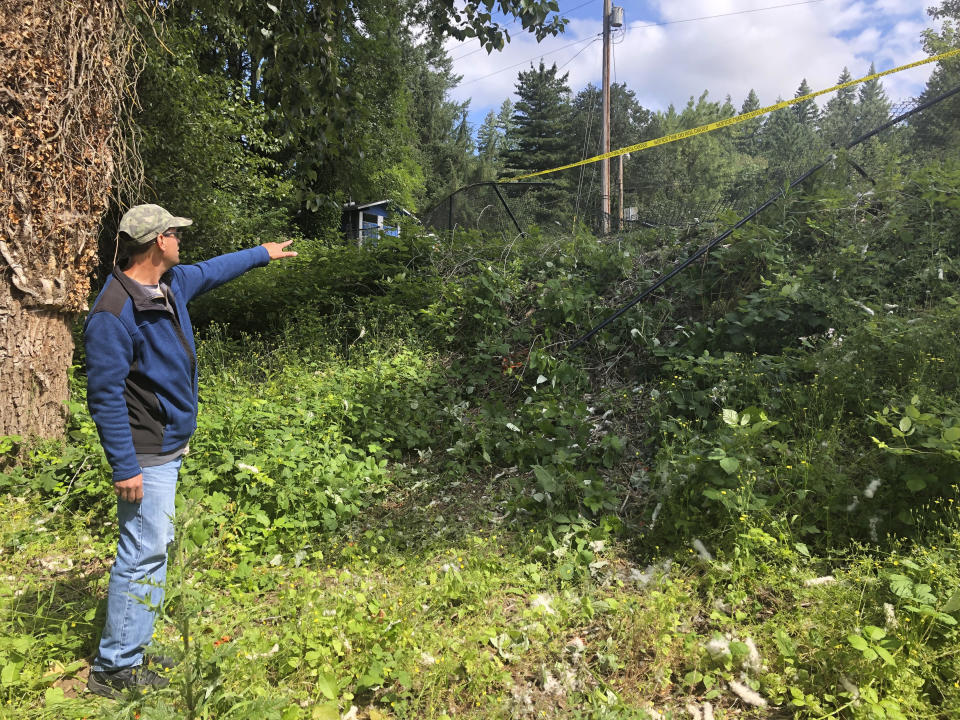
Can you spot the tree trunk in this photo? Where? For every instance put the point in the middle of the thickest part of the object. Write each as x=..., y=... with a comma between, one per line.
x=62, y=79
x=36, y=347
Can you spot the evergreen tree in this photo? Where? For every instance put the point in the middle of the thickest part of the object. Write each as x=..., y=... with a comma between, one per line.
x=505, y=123
x=492, y=142
x=790, y=141
x=873, y=107
x=628, y=120
x=806, y=111
x=785, y=144
x=727, y=109
x=437, y=123
x=539, y=133
x=681, y=181
x=840, y=115
x=746, y=135
x=489, y=139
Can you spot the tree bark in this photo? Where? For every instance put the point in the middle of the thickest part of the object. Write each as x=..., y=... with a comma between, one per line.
x=62, y=79
x=36, y=347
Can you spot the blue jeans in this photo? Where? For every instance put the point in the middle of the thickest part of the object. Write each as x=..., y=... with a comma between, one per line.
x=140, y=570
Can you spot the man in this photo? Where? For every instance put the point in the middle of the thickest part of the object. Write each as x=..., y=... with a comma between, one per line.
x=142, y=394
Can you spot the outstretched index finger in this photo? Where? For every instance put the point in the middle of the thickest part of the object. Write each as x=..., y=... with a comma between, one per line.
x=276, y=250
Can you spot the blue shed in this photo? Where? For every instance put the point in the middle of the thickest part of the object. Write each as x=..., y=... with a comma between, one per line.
x=368, y=221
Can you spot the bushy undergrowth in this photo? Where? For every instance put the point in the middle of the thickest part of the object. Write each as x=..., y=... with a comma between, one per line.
x=395, y=435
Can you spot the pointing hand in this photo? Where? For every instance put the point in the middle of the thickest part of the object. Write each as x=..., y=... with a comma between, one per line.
x=277, y=251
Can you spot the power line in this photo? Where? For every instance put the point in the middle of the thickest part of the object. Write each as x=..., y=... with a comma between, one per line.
x=576, y=55
x=524, y=62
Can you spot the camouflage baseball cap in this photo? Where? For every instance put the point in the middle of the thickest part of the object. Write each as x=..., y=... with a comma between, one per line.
x=144, y=222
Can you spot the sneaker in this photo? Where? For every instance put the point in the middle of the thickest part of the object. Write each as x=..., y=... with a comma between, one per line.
x=112, y=684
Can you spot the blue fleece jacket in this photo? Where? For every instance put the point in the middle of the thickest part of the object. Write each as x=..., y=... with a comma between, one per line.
x=141, y=360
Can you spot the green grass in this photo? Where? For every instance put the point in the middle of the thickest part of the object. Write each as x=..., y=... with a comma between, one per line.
x=406, y=504
x=453, y=610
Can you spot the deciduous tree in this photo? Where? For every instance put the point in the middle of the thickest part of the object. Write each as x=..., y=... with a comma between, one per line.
x=938, y=128
x=62, y=79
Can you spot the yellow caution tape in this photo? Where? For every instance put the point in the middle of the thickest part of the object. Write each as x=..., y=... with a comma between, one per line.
x=683, y=134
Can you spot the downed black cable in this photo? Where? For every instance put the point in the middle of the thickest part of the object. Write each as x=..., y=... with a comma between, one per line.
x=743, y=221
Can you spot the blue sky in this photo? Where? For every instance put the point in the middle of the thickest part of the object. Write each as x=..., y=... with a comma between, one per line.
x=665, y=54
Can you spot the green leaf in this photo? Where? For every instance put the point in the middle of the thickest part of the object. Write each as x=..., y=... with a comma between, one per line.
x=545, y=478
x=730, y=417
x=10, y=673
x=53, y=696
x=952, y=434
x=915, y=483
x=905, y=424
x=327, y=684
x=692, y=678
x=874, y=633
x=785, y=644
x=921, y=592
x=953, y=604
x=326, y=711
x=901, y=586
x=884, y=655
x=729, y=464
x=857, y=642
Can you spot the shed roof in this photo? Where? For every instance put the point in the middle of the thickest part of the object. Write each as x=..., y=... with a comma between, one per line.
x=368, y=206
x=356, y=206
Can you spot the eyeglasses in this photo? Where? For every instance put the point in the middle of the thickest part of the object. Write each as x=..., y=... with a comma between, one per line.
x=175, y=233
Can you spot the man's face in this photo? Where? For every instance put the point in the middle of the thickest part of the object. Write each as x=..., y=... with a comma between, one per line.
x=169, y=244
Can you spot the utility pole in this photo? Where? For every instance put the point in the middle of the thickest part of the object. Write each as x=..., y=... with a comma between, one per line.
x=612, y=17
x=605, y=133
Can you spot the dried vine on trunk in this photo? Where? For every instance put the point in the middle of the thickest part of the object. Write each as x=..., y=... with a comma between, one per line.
x=63, y=83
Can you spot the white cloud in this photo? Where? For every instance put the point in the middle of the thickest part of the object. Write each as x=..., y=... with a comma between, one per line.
x=769, y=51
x=900, y=7
x=848, y=18
x=866, y=42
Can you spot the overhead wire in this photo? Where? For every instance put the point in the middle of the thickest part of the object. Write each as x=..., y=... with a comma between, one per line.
x=576, y=54
x=592, y=38
x=586, y=149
